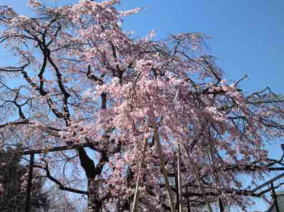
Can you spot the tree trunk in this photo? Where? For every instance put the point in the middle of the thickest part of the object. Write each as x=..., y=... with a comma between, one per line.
x=94, y=202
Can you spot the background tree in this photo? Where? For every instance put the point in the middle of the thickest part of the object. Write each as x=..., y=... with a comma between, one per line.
x=128, y=109
x=13, y=179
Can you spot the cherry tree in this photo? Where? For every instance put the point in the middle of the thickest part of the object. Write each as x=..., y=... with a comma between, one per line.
x=153, y=124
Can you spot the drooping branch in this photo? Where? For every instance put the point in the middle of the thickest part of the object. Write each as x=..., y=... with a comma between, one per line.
x=60, y=185
x=164, y=171
x=136, y=192
x=58, y=148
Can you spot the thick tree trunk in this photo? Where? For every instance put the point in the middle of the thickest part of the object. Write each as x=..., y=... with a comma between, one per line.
x=94, y=202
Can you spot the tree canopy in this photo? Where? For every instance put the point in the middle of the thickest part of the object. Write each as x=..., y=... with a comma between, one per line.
x=153, y=124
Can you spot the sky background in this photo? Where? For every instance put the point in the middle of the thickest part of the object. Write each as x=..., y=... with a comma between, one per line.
x=246, y=36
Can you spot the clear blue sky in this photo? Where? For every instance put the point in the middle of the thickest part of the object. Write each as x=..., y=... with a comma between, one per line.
x=247, y=36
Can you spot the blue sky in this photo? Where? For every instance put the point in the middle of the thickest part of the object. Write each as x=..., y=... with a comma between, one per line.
x=245, y=35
